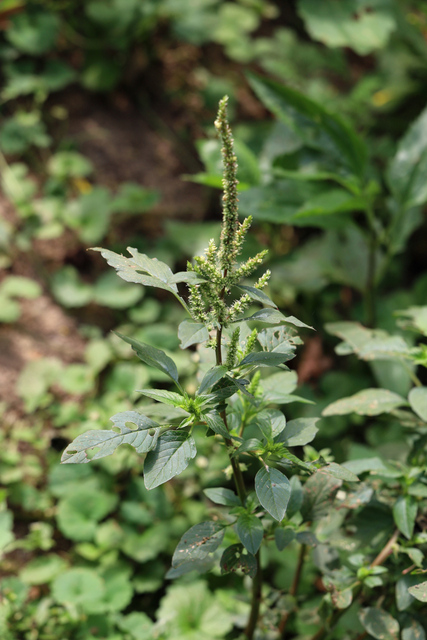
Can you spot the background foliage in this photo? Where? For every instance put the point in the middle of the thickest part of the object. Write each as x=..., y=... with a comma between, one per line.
x=104, y=106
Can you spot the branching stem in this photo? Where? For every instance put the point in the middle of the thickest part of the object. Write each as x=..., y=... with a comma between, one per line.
x=293, y=589
x=379, y=560
x=372, y=265
x=241, y=492
x=256, y=600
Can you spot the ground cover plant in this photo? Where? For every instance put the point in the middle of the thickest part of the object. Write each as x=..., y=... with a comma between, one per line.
x=233, y=401
x=336, y=188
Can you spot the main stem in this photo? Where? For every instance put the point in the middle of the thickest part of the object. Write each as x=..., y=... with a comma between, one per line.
x=256, y=599
x=241, y=492
x=370, y=302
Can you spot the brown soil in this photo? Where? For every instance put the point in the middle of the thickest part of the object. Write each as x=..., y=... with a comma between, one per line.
x=126, y=146
x=123, y=146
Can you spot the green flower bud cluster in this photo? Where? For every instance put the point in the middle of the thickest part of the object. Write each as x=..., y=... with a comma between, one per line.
x=218, y=267
x=232, y=349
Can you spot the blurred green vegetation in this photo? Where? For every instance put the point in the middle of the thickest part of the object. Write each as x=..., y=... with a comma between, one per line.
x=329, y=105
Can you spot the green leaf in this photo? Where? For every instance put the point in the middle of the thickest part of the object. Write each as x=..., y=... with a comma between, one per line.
x=21, y=287
x=43, y=569
x=330, y=202
x=298, y=432
x=198, y=542
x=369, y=402
x=308, y=538
x=227, y=386
x=211, y=377
x=171, y=456
x=23, y=79
x=9, y=309
x=419, y=591
x=79, y=513
x=138, y=625
x=406, y=175
x=100, y=74
x=118, y=588
x=417, y=318
x=69, y=164
x=34, y=33
x=273, y=490
x=226, y=497
x=264, y=359
x=167, y=397
x=341, y=473
x=253, y=444
x=6, y=529
x=105, y=442
x=278, y=339
x=216, y=423
x=412, y=630
x=79, y=587
x=257, y=294
x=141, y=269
x=418, y=401
x=76, y=379
x=250, y=531
x=278, y=422
x=132, y=198
x=21, y=131
x=68, y=289
x=278, y=388
x=347, y=182
x=379, y=623
x=404, y=514
x=117, y=294
x=274, y=316
x=190, y=277
x=403, y=598
x=82, y=214
x=316, y=126
x=362, y=465
x=191, y=611
x=235, y=557
x=362, y=25
x=143, y=547
x=190, y=333
x=153, y=357
x=283, y=537
x=319, y=494
x=297, y=496
x=35, y=380
x=387, y=348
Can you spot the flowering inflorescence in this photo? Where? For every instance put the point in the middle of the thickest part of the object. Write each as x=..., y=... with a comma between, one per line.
x=232, y=348
x=218, y=266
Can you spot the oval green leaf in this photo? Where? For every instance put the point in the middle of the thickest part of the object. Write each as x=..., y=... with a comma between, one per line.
x=273, y=490
x=173, y=452
x=250, y=531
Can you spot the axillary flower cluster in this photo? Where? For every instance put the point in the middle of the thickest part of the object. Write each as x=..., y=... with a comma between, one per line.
x=219, y=266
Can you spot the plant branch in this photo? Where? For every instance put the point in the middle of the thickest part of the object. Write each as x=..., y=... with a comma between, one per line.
x=256, y=599
x=293, y=589
x=379, y=560
x=370, y=310
x=241, y=492
x=386, y=551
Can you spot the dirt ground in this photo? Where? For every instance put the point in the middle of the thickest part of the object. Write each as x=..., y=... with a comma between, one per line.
x=123, y=146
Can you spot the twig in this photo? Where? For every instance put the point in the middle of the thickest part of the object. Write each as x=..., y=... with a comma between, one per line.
x=256, y=599
x=293, y=589
x=386, y=551
x=379, y=560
